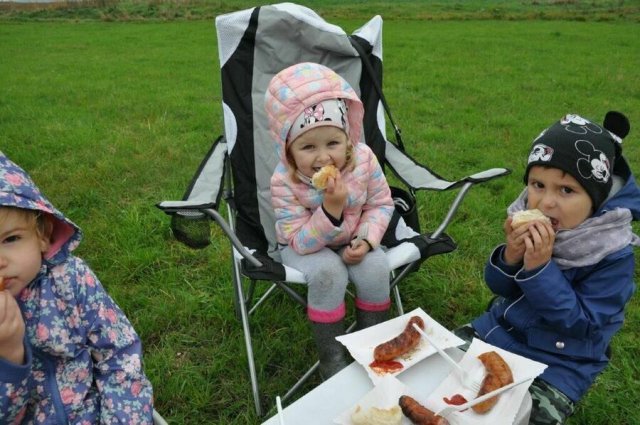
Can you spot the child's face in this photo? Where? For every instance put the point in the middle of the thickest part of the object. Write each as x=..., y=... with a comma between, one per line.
x=21, y=250
x=319, y=147
x=559, y=196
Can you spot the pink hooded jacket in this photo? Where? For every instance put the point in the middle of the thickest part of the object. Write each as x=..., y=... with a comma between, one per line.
x=300, y=221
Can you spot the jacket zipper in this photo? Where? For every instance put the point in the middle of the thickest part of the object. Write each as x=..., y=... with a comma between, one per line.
x=52, y=386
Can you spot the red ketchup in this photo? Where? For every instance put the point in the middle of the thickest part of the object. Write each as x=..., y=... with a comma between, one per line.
x=456, y=400
x=388, y=366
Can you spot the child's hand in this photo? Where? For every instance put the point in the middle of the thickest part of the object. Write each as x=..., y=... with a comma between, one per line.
x=11, y=329
x=354, y=253
x=515, y=245
x=335, y=196
x=539, y=245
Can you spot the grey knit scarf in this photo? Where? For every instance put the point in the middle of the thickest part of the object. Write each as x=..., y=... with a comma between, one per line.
x=592, y=240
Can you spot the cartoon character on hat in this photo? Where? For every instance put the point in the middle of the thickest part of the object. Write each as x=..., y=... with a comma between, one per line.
x=583, y=149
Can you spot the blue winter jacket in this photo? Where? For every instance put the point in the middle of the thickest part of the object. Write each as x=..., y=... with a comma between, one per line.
x=563, y=318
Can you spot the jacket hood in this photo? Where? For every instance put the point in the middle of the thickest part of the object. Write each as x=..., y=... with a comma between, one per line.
x=625, y=196
x=303, y=85
x=19, y=191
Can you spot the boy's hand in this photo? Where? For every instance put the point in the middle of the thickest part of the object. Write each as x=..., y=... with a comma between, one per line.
x=335, y=196
x=354, y=253
x=11, y=329
x=539, y=245
x=515, y=240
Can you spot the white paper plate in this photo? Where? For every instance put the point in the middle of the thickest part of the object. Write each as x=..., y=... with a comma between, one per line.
x=504, y=412
x=362, y=343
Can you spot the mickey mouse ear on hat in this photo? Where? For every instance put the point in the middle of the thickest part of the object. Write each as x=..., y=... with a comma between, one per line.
x=617, y=123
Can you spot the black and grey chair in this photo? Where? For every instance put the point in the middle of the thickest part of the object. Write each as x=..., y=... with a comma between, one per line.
x=253, y=46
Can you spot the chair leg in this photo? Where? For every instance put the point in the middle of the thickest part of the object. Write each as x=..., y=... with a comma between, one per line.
x=244, y=317
x=396, y=295
x=301, y=381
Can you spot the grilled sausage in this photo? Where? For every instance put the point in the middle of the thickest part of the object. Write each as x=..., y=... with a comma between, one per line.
x=418, y=414
x=498, y=375
x=401, y=344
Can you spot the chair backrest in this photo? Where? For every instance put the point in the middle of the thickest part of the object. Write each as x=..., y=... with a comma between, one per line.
x=253, y=46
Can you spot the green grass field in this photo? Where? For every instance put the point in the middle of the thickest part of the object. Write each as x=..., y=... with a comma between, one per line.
x=111, y=116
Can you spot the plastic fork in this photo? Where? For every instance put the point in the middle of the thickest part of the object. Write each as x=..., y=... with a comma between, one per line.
x=446, y=411
x=471, y=381
x=280, y=414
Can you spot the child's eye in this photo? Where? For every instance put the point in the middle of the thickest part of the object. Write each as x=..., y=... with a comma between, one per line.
x=566, y=190
x=536, y=185
x=10, y=239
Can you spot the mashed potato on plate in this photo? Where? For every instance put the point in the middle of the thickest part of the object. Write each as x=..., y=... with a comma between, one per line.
x=376, y=416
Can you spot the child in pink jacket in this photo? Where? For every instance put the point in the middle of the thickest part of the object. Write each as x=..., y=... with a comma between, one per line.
x=332, y=235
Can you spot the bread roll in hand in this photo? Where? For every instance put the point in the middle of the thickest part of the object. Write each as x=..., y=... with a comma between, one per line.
x=320, y=179
x=521, y=218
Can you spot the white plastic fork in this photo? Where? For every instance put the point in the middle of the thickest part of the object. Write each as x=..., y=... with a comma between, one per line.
x=448, y=410
x=279, y=407
x=472, y=382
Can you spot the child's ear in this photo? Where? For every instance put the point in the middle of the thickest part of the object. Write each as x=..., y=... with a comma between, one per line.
x=45, y=235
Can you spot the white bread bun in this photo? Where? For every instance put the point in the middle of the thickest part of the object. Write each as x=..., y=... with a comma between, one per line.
x=375, y=416
x=523, y=217
x=320, y=179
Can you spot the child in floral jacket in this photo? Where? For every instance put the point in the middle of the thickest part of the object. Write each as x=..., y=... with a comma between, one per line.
x=68, y=354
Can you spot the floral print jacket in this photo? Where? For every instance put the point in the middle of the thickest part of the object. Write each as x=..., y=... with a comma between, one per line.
x=83, y=359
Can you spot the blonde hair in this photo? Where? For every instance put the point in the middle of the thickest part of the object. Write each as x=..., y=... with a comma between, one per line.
x=31, y=218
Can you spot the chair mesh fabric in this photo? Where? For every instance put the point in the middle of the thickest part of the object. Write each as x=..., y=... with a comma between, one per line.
x=192, y=229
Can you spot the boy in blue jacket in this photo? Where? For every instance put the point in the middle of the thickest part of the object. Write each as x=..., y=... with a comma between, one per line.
x=68, y=354
x=562, y=285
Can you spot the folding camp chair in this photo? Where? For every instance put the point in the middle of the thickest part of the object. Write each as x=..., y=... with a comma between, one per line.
x=253, y=46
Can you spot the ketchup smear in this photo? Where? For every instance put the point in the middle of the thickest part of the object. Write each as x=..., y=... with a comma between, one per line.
x=456, y=400
x=386, y=366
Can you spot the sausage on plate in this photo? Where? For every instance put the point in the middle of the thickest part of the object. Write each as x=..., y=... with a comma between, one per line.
x=401, y=344
x=418, y=414
x=498, y=375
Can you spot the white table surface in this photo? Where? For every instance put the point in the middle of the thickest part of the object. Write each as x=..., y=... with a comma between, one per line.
x=343, y=390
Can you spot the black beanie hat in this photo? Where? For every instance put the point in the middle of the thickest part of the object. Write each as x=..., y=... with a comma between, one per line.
x=582, y=149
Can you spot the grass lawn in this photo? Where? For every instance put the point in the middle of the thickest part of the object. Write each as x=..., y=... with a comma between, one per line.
x=112, y=116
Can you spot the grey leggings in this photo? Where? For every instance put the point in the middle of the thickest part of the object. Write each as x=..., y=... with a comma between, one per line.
x=327, y=276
